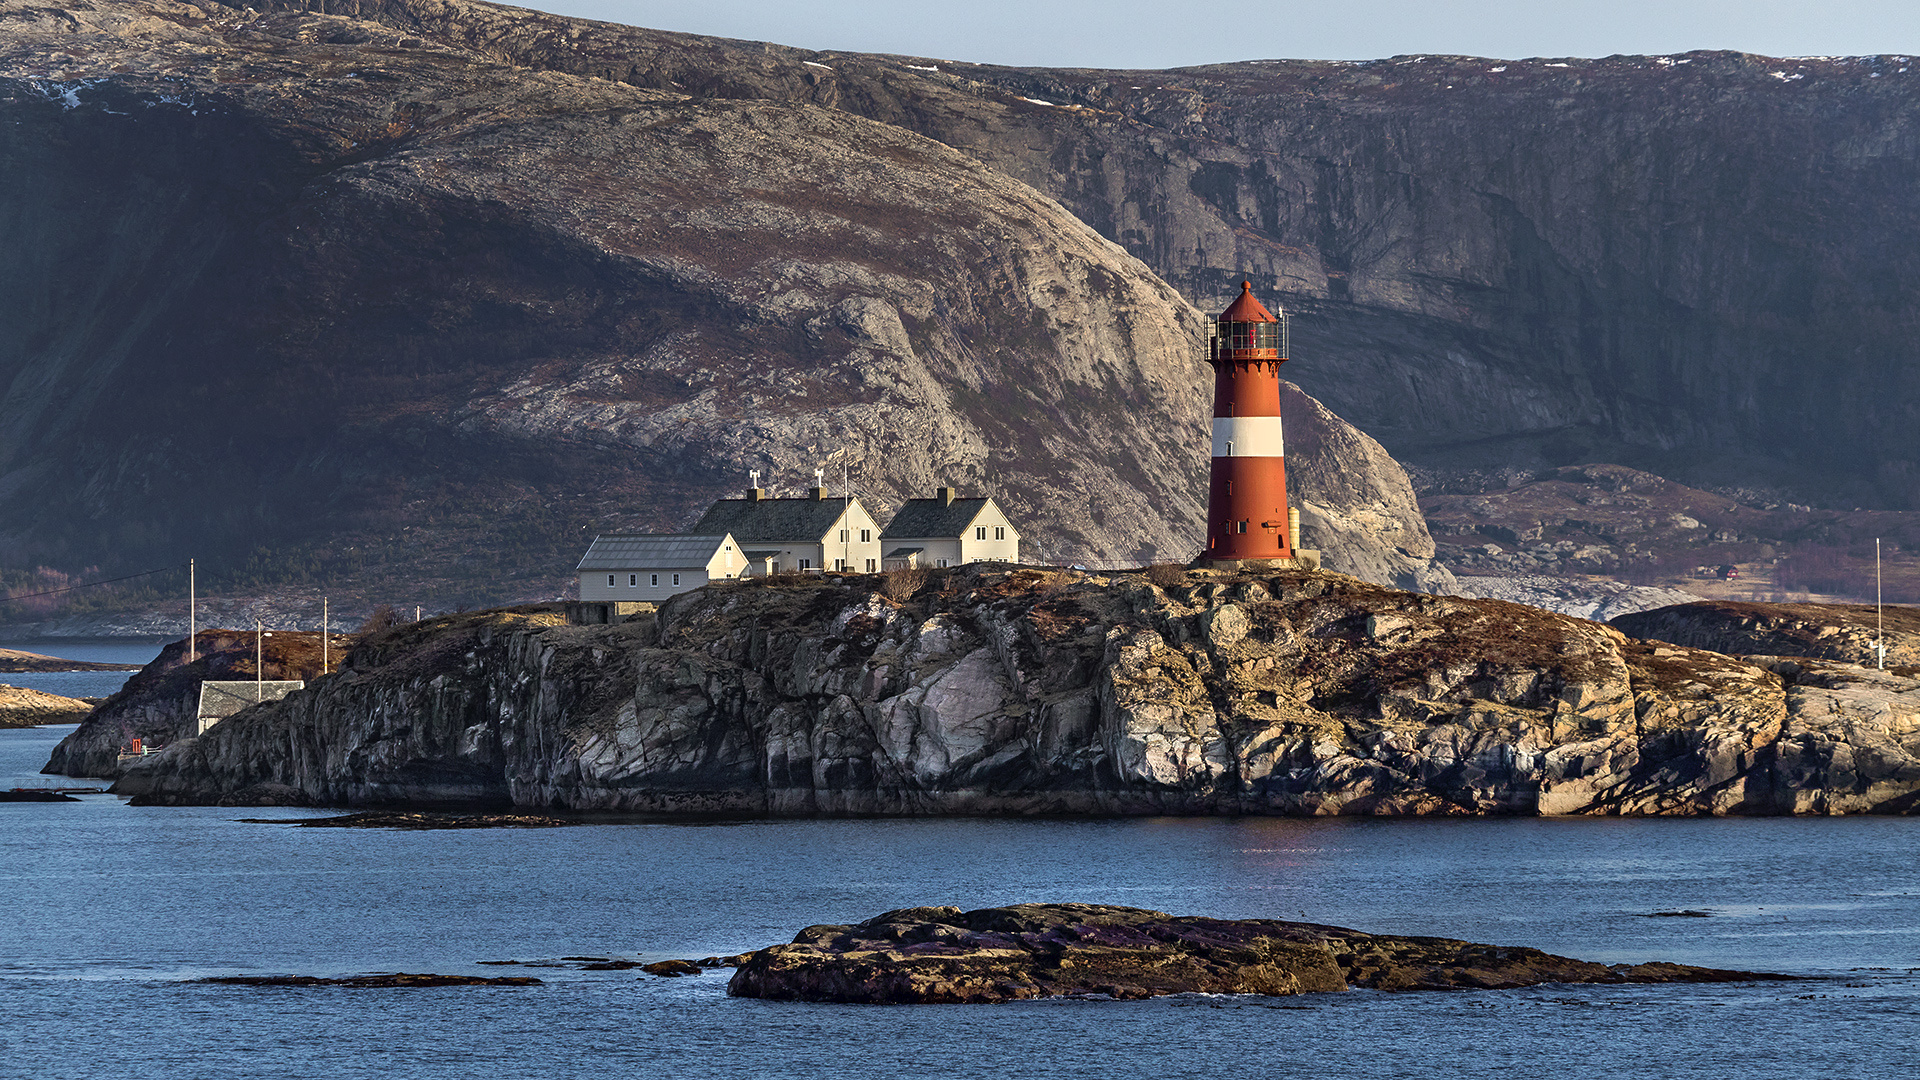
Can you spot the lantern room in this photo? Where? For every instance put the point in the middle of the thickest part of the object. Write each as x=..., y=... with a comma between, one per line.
x=1248, y=331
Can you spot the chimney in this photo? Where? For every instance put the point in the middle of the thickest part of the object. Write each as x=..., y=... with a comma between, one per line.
x=817, y=493
x=754, y=495
x=945, y=495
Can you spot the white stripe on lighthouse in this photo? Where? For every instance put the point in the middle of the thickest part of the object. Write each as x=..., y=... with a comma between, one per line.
x=1247, y=436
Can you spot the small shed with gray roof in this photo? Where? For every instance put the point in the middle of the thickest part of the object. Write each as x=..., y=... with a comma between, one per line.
x=220, y=698
x=947, y=530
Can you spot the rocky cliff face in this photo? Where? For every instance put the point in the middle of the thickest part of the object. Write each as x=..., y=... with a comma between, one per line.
x=1029, y=692
x=280, y=275
x=1696, y=264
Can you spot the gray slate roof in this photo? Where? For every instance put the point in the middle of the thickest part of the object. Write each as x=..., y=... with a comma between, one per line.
x=651, y=551
x=804, y=521
x=223, y=698
x=932, y=517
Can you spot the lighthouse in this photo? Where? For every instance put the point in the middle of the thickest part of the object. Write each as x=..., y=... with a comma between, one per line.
x=1247, y=489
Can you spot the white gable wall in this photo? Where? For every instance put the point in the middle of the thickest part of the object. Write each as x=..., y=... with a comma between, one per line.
x=828, y=551
x=989, y=537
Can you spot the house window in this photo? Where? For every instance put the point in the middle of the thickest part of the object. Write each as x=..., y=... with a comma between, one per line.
x=653, y=580
x=843, y=536
x=632, y=580
x=943, y=562
x=609, y=580
x=869, y=566
x=806, y=564
x=866, y=536
x=839, y=564
x=980, y=533
x=999, y=532
x=676, y=579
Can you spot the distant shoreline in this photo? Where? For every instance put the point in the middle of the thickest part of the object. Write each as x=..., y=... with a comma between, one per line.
x=19, y=662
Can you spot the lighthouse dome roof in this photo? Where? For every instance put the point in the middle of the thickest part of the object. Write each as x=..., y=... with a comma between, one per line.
x=1246, y=309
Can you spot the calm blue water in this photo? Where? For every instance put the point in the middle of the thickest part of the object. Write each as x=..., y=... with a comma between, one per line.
x=110, y=908
x=81, y=683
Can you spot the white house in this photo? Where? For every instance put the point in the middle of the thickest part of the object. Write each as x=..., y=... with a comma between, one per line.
x=220, y=699
x=808, y=534
x=646, y=568
x=948, y=531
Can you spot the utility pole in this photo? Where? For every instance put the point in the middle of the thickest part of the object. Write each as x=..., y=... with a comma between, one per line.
x=324, y=635
x=259, y=664
x=1879, y=611
x=193, y=623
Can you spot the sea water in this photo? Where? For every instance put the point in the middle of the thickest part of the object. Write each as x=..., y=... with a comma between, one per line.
x=111, y=912
x=81, y=683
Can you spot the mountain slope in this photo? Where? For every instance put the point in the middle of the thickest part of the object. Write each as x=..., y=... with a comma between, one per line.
x=381, y=305
x=1700, y=265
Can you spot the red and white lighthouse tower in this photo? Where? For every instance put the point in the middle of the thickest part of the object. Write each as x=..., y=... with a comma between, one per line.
x=1247, y=491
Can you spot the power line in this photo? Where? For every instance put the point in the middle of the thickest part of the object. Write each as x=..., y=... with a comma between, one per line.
x=90, y=584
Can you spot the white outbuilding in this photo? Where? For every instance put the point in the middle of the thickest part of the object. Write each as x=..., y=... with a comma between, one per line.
x=632, y=568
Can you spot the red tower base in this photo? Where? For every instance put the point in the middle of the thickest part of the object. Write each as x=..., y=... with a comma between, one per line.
x=1247, y=509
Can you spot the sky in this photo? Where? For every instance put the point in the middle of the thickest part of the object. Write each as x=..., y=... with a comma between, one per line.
x=1134, y=33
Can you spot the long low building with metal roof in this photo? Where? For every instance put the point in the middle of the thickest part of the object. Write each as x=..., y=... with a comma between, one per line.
x=650, y=568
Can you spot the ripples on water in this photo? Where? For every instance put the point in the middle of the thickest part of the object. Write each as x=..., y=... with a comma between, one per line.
x=112, y=907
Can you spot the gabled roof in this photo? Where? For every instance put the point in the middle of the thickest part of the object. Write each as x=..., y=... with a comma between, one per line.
x=803, y=521
x=223, y=698
x=650, y=551
x=933, y=517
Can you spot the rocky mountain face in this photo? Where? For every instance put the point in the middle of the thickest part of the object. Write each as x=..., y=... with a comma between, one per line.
x=1694, y=264
x=1019, y=692
x=335, y=297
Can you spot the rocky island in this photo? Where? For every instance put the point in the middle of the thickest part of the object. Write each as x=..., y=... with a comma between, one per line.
x=22, y=706
x=996, y=690
x=942, y=955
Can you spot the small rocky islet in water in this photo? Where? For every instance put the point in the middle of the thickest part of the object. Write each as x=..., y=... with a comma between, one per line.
x=942, y=955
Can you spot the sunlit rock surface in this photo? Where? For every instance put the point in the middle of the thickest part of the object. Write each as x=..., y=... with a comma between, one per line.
x=1024, y=692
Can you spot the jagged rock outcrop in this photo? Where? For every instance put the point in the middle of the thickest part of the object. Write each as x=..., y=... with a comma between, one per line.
x=942, y=955
x=453, y=313
x=1843, y=632
x=1694, y=263
x=1017, y=692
